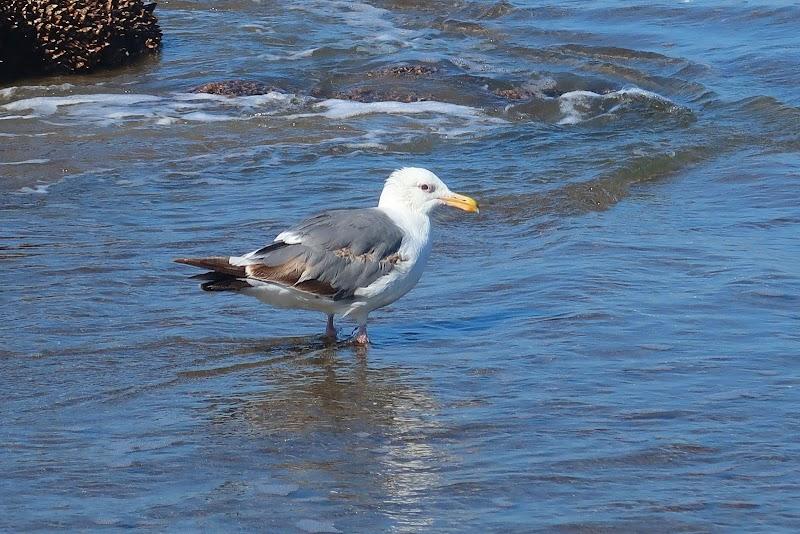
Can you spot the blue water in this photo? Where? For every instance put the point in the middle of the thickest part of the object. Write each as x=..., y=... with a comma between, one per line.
x=610, y=346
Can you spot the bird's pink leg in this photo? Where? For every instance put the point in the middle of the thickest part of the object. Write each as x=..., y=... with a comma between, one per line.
x=361, y=336
x=330, y=330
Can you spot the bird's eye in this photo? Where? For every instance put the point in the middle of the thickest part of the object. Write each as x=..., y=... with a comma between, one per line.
x=426, y=187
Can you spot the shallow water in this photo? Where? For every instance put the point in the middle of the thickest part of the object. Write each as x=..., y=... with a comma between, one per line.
x=610, y=346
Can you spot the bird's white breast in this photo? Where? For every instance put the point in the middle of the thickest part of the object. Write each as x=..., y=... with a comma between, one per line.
x=413, y=252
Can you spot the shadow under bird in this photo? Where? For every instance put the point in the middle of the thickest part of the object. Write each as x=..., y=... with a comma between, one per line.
x=344, y=262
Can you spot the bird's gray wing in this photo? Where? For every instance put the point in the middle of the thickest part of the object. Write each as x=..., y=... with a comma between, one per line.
x=331, y=254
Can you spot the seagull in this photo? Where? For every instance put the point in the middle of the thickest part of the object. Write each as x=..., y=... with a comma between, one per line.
x=345, y=262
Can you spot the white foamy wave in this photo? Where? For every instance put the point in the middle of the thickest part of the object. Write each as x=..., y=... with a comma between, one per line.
x=48, y=105
x=580, y=106
x=345, y=109
x=576, y=105
x=8, y=92
x=202, y=116
x=288, y=56
x=374, y=30
x=442, y=119
x=42, y=134
x=26, y=162
x=11, y=117
x=106, y=109
x=38, y=189
x=272, y=98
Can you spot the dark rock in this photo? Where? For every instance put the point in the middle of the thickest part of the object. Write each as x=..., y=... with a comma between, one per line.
x=69, y=36
x=461, y=27
x=495, y=11
x=402, y=82
x=514, y=93
x=417, y=69
x=235, y=88
x=370, y=94
x=13, y=38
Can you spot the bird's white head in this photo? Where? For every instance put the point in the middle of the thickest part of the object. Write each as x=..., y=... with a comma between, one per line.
x=420, y=191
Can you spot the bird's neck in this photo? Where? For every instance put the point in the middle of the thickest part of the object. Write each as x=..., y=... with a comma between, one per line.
x=416, y=225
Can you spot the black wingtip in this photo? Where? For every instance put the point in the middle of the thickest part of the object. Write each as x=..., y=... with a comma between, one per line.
x=231, y=284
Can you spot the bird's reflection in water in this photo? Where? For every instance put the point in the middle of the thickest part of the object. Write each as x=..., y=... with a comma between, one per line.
x=338, y=419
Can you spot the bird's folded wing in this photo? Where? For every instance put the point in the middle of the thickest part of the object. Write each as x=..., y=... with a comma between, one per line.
x=332, y=254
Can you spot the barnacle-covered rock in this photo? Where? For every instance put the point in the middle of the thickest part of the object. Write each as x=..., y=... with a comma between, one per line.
x=66, y=36
x=15, y=38
x=235, y=88
x=404, y=69
x=373, y=94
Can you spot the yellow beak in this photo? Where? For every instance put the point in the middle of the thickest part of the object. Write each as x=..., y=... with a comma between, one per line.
x=461, y=202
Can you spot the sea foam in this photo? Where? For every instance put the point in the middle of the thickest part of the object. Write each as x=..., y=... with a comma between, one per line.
x=345, y=109
x=108, y=108
x=48, y=105
x=580, y=106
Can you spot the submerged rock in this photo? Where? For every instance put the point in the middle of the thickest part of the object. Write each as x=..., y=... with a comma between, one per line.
x=235, y=88
x=461, y=27
x=414, y=69
x=403, y=82
x=514, y=93
x=374, y=94
x=68, y=36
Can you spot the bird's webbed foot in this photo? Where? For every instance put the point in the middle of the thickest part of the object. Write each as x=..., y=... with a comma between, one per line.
x=361, y=337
